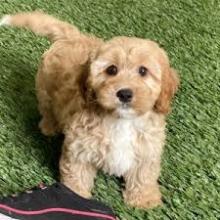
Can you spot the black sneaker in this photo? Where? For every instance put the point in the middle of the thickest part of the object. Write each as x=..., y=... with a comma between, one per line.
x=55, y=202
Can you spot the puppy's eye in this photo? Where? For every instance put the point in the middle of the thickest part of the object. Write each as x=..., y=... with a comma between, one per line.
x=142, y=70
x=112, y=70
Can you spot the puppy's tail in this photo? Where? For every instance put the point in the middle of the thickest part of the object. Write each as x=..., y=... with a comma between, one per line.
x=41, y=24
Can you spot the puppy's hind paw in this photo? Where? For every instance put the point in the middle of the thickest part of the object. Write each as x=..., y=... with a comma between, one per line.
x=47, y=127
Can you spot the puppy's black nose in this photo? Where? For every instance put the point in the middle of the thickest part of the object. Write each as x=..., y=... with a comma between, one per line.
x=125, y=95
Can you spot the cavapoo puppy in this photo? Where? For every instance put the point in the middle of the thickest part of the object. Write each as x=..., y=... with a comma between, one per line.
x=109, y=99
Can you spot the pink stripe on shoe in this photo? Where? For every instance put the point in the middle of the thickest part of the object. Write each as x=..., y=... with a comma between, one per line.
x=49, y=210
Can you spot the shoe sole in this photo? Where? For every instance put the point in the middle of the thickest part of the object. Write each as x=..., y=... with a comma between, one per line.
x=72, y=212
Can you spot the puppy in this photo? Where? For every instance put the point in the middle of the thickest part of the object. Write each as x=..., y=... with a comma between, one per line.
x=109, y=99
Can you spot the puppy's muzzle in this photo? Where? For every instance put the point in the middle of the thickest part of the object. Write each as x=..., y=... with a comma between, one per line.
x=125, y=95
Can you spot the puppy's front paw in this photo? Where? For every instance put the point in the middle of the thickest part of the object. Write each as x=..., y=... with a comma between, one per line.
x=78, y=190
x=147, y=198
x=84, y=194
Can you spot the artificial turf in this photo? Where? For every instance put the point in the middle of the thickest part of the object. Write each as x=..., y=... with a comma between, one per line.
x=189, y=30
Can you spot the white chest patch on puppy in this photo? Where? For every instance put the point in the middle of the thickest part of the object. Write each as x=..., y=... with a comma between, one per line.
x=122, y=136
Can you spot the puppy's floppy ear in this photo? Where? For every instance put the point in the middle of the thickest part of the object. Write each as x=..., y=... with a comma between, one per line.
x=170, y=83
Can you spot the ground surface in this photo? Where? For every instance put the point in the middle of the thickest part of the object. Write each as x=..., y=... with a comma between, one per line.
x=190, y=32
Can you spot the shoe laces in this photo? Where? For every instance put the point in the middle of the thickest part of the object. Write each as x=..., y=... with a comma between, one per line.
x=40, y=186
